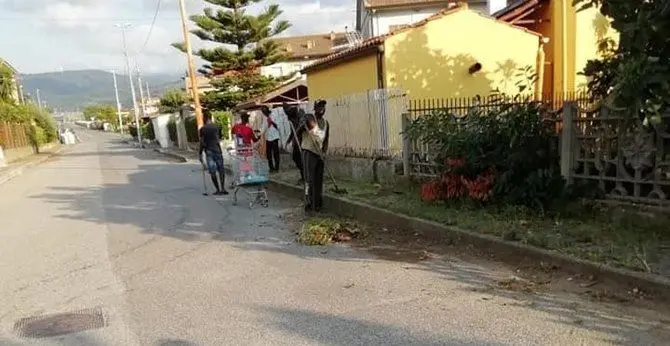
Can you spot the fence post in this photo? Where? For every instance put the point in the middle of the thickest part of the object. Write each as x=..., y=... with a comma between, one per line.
x=405, y=145
x=567, y=140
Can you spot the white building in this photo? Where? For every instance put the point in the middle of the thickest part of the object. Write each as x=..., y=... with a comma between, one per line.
x=302, y=51
x=379, y=17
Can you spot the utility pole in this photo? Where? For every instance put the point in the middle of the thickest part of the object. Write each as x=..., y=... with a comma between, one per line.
x=39, y=100
x=132, y=85
x=191, y=68
x=143, y=105
x=149, y=102
x=118, y=103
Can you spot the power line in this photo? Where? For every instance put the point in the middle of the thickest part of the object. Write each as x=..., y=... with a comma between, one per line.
x=151, y=28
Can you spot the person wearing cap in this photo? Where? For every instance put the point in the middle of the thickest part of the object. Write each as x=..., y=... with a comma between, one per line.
x=315, y=145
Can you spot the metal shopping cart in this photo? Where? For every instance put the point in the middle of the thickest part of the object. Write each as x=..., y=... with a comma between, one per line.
x=250, y=171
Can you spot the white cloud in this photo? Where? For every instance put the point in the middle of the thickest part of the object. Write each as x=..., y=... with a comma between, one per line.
x=79, y=34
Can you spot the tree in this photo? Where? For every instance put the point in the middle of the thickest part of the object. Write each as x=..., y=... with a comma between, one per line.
x=635, y=74
x=245, y=46
x=6, y=84
x=172, y=101
x=103, y=113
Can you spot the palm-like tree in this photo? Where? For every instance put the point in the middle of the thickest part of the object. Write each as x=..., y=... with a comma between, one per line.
x=6, y=84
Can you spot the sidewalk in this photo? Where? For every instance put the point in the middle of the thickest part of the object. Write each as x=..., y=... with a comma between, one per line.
x=17, y=167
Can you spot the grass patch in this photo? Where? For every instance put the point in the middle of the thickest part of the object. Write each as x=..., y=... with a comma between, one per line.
x=613, y=236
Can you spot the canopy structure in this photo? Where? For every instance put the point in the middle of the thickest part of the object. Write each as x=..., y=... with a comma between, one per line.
x=292, y=92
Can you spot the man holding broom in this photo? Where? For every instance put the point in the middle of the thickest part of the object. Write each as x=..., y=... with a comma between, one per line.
x=314, y=144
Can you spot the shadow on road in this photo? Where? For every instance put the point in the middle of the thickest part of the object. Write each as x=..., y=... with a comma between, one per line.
x=165, y=200
x=325, y=329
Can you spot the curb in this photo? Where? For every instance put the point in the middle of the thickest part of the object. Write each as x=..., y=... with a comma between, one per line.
x=177, y=157
x=504, y=250
x=18, y=171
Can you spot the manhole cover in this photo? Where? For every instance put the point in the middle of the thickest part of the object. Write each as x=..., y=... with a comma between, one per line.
x=60, y=324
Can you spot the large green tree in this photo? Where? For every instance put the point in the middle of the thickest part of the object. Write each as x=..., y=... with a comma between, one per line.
x=243, y=45
x=104, y=113
x=635, y=74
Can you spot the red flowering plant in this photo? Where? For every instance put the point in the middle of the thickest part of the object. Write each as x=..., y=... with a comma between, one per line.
x=490, y=154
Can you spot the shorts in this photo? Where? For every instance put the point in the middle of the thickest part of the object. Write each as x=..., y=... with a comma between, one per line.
x=214, y=161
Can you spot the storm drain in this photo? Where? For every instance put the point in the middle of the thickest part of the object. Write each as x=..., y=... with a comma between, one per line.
x=47, y=326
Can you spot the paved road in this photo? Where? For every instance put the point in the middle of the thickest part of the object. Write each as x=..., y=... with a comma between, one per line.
x=128, y=233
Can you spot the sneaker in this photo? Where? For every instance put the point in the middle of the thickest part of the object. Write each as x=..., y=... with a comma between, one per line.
x=220, y=193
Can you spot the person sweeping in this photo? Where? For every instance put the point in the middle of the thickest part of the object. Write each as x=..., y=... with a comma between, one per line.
x=314, y=145
x=210, y=137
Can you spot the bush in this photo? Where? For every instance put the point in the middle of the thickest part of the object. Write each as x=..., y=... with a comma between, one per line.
x=506, y=155
x=191, y=130
x=147, y=131
x=223, y=119
x=38, y=136
x=172, y=131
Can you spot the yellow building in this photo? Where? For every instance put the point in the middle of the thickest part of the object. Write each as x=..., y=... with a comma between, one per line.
x=573, y=38
x=455, y=53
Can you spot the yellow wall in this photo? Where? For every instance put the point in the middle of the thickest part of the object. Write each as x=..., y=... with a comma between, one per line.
x=432, y=61
x=592, y=27
x=350, y=77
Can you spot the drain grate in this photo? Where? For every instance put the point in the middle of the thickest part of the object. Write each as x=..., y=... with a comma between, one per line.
x=47, y=326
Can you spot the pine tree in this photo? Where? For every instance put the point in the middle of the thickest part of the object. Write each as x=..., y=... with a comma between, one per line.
x=245, y=46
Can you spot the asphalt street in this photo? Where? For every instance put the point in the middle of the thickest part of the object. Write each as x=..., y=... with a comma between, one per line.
x=123, y=238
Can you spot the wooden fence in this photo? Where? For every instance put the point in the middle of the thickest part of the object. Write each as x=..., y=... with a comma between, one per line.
x=14, y=135
x=368, y=124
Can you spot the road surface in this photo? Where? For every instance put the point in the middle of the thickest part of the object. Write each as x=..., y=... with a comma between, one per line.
x=124, y=238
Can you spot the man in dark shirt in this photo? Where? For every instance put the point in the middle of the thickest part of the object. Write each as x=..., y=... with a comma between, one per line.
x=210, y=135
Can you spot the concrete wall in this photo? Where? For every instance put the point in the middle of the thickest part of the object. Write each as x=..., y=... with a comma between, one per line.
x=592, y=27
x=352, y=168
x=432, y=61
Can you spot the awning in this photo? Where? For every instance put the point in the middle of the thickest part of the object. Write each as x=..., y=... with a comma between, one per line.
x=292, y=92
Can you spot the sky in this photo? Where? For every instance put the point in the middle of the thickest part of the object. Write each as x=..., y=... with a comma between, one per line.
x=54, y=35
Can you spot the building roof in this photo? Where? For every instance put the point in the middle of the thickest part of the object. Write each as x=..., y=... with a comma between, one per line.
x=374, y=42
x=403, y=3
x=516, y=9
x=290, y=92
x=311, y=46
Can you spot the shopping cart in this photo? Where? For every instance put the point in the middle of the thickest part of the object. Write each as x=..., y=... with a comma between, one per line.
x=250, y=172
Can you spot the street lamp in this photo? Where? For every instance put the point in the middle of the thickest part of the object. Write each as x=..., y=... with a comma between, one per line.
x=123, y=27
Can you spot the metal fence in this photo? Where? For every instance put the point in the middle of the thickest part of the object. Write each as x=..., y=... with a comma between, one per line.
x=628, y=159
x=368, y=124
x=14, y=135
x=420, y=160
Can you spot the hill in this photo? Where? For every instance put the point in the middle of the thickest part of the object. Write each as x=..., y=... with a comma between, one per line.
x=69, y=90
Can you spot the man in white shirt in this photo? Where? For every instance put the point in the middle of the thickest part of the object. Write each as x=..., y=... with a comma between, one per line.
x=272, y=140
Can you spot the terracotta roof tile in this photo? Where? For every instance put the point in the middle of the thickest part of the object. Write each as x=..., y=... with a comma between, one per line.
x=311, y=46
x=402, y=3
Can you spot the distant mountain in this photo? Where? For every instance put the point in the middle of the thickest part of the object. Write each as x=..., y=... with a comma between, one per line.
x=69, y=90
